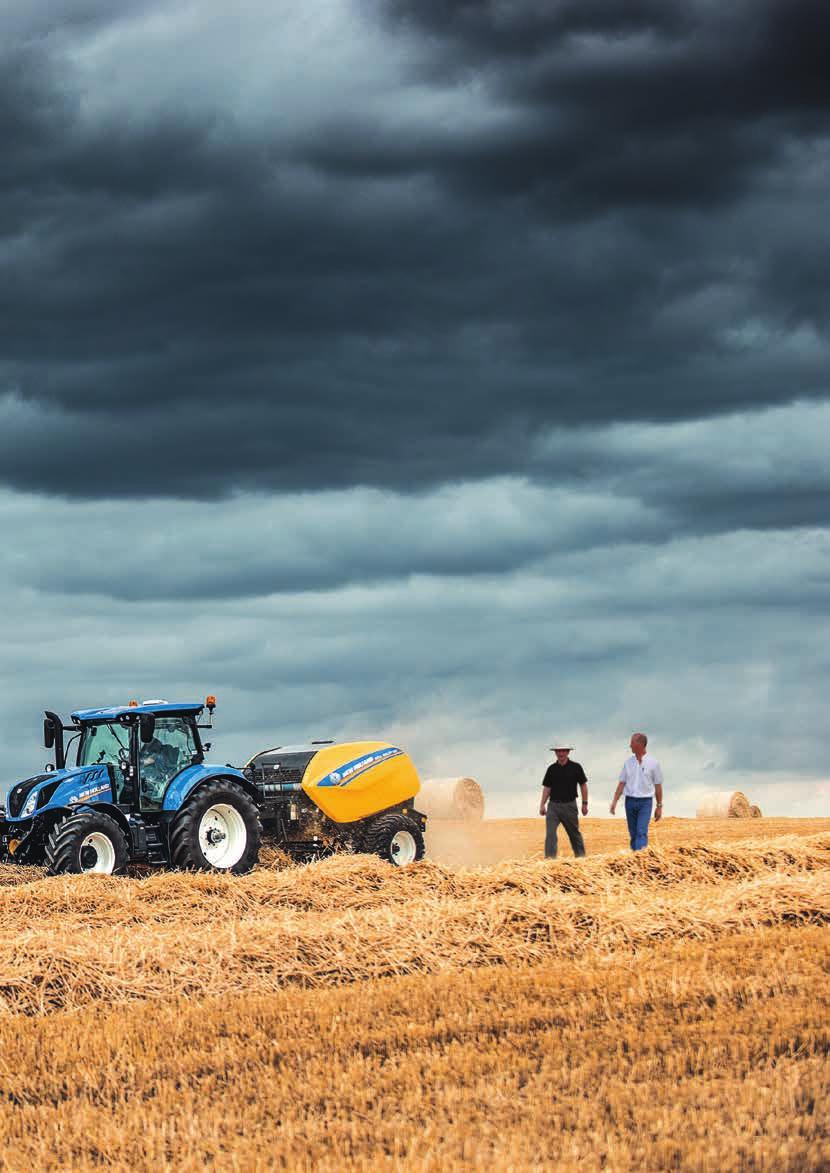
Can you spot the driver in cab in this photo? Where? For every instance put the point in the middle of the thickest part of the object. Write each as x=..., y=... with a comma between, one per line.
x=158, y=762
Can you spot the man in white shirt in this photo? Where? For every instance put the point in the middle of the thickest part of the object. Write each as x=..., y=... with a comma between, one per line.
x=642, y=781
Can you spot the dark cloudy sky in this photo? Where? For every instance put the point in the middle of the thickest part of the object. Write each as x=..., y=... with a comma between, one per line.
x=450, y=372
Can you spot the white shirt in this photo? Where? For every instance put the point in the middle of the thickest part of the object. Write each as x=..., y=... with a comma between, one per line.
x=640, y=778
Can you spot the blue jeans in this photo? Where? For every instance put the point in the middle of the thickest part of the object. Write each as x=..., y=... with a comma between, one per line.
x=638, y=813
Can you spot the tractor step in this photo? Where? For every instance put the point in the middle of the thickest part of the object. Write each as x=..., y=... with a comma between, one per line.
x=149, y=844
x=156, y=844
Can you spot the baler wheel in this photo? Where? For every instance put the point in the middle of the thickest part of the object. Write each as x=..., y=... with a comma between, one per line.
x=217, y=830
x=87, y=841
x=395, y=838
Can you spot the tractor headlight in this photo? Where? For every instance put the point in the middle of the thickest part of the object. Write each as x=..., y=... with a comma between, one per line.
x=29, y=808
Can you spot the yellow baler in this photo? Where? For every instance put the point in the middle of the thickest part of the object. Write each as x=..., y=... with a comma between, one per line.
x=352, y=795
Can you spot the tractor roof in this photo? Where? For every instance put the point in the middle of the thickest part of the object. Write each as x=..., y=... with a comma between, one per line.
x=159, y=707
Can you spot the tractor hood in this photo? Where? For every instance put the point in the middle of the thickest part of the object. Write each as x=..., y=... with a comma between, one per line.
x=59, y=788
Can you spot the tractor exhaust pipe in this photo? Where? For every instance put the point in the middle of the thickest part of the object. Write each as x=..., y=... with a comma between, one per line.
x=53, y=736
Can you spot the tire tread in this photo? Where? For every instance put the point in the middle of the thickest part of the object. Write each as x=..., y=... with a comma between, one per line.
x=184, y=830
x=62, y=842
x=378, y=835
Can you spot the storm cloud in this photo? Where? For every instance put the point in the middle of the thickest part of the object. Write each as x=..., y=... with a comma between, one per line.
x=392, y=354
x=487, y=220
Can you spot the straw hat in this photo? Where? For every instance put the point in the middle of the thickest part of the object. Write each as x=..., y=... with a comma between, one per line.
x=561, y=745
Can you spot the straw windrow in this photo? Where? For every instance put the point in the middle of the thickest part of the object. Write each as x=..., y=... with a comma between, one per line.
x=663, y=1010
x=67, y=942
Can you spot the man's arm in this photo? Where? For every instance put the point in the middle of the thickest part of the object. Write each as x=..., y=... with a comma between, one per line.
x=658, y=791
x=583, y=786
x=544, y=802
x=616, y=798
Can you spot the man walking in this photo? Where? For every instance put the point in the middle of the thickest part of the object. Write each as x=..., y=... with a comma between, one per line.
x=559, y=801
x=642, y=781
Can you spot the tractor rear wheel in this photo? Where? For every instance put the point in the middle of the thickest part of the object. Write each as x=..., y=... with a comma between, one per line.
x=395, y=838
x=217, y=830
x=87, y=841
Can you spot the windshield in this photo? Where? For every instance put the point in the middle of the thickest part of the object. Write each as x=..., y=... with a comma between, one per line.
x=103, y=743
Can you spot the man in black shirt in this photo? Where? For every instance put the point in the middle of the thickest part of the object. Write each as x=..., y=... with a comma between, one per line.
x=559, y=800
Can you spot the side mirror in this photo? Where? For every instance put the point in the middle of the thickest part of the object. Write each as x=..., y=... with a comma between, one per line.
x=147, y=726
x=48, y=732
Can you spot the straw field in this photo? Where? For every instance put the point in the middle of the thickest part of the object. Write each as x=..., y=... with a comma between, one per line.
x=458, y=844
x=665, y=1010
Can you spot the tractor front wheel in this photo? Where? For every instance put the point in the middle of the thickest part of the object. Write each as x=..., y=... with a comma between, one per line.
x=395, y=838
x=88, y=841
x=217, y=830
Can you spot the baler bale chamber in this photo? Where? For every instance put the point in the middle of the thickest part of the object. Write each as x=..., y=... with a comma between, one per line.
x=332, y=796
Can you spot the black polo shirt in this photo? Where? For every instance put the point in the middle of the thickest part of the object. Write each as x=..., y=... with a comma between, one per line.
x=564, y=780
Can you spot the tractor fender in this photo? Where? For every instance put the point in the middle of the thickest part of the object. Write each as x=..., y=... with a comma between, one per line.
x=45, y=821
x=191, y=779
x=114, y=812
x=54, y=814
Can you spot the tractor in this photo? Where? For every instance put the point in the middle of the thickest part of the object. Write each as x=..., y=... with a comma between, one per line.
x=141, y=792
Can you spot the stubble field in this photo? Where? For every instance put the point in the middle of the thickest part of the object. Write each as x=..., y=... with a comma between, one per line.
x=666, y=1010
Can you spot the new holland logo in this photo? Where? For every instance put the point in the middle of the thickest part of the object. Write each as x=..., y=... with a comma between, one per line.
x=90, y=792
x=346, y=774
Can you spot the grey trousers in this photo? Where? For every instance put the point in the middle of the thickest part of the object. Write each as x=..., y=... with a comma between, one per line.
x=566, y=814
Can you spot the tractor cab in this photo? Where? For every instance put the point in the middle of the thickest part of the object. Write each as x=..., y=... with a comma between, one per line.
x=143, y=746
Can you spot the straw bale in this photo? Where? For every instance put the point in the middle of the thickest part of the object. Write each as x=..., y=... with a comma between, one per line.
x=725, y=804
x=451, y=798
x=755, y=812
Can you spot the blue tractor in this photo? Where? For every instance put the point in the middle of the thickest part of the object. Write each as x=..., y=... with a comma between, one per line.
x=139, y=791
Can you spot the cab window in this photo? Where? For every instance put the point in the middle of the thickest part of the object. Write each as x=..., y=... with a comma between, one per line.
x=172, y=748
